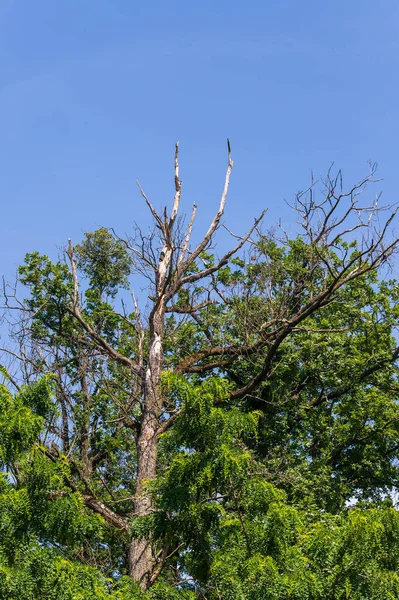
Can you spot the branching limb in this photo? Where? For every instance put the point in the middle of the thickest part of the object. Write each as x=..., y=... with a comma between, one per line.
x=93, y=334
x=181, y=281
x=184, y=265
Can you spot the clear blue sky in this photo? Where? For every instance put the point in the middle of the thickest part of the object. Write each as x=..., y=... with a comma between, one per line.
x=94, y=93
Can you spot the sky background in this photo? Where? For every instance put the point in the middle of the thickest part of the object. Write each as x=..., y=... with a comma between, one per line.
x=94, y=93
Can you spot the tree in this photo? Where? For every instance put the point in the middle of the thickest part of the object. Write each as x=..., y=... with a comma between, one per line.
x=210, y=447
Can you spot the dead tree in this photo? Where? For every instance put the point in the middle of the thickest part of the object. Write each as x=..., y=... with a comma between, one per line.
x=168, y=258
x=170, y=273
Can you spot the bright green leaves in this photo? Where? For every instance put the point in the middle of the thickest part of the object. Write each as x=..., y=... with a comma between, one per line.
x=330, y=425
x=357, y=557
x=60, y=515
x=21, y=419
x=15, y=517
x=38, y=573
x=252, y=488
x=259, y=549
x=39, y=397
x=105, y=261
x=208, y=460
x=206, y=421
x=45, y=279
x=353, y=556
x=51, y=288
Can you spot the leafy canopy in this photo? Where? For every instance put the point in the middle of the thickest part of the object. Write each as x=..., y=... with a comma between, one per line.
x=276, y=417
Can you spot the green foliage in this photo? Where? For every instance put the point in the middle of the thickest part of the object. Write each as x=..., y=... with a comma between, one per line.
x=105, y=261
x=252, y=493
x=21, y=418
x=51, y=288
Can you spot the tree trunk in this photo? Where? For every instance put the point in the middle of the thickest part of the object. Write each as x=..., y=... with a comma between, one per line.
x=141, y=559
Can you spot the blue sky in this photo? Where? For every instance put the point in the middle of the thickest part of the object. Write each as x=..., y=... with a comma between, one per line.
x=94, y=93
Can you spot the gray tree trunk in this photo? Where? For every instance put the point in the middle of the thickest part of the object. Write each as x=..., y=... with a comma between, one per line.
x=142, y=562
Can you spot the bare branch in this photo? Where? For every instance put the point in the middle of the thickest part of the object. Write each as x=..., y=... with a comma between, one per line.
x=182, y=281
x=188, y=236
x=154, y=213
x=178, y=183
x=189, y=309
x=216, y=220
x=74, y=274
x=94, y=335
x=108, y=515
